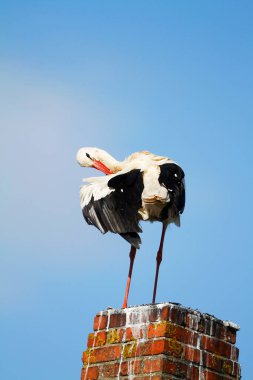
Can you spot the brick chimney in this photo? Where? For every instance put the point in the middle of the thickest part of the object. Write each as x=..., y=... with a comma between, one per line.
x=162, y=341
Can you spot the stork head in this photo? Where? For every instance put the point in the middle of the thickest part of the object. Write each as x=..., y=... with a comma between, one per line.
x=96, y=158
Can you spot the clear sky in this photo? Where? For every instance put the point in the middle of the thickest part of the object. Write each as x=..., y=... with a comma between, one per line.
x=172, y=77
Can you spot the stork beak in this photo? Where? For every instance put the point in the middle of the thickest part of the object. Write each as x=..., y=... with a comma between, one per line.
x=100, y=166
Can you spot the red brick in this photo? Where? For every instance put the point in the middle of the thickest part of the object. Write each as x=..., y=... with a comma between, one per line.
x=204, y=325
x=165, y=313
x=237, y=370
x=144, y=348
x=129, y=334
x=227, y=367
x=174, y=348
x=235, y=353
x=123, y=370
x=117, y=320
x=174, y=314
x=175, y=368
x=100, y=322
x=219, y=331
x=106, y=353
x=192, y=373
x=90, y=373
x=230, y=335
x=159, y=377
x=220, y=364
x=192, y=354
x=129, y=350
x=114, y=336
x=216, y=346
x=226, y=333
x=88, y=357
x=101, y=354
x=130, y=367
x=96, y=339
x=157, y=330
x=192, y=321
x=208, y=375
x=177, y=315
x=210, y=327
x=159, y=346
x=212, y=361
x=151, y=347
x=137, y=366
x=154, y=314
x=152, y=365
x=171, y=330
x=109, y=370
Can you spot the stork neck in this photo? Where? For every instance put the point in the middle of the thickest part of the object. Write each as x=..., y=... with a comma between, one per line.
x=110, y=161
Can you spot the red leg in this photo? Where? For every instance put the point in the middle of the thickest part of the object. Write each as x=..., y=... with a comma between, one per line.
x=159, y=260
x=132, y=257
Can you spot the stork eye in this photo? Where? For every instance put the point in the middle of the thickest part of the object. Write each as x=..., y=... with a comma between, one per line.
x=87, y=154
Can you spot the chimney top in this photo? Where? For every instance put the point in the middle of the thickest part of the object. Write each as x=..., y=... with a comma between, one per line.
x=159, y=306
x=165, y=340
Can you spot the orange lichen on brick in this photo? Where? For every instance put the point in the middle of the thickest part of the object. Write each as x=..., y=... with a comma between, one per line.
x=96, y=339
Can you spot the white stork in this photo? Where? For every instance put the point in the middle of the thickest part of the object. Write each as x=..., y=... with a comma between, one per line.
x=142, y=187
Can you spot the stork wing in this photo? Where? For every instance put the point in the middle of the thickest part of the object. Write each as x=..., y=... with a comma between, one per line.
x=116, y=210
x=172, y=178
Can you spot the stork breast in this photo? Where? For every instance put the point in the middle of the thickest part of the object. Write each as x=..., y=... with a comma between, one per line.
x=154, y=196
x=153, y=192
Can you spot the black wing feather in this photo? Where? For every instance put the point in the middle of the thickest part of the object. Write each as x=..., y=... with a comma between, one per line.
x=172, y=177
x=118, y=211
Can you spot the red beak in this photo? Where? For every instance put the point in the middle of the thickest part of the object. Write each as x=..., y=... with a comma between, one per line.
x=99, y=166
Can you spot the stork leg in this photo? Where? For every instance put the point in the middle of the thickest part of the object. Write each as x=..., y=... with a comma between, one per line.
x=132, y=257
x=159, y=260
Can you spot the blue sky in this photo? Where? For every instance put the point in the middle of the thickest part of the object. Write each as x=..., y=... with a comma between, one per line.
x=171, y=77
